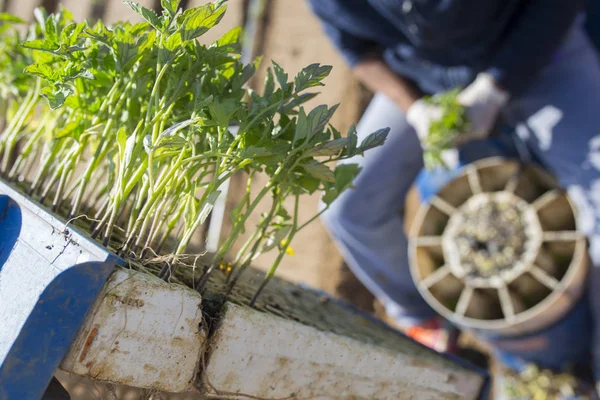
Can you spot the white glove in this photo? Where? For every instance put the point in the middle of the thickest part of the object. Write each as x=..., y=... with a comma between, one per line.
x=420, y=116
x=483, y=101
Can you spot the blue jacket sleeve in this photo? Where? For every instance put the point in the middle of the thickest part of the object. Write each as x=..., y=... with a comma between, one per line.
x=337, y=22
x=530, y=42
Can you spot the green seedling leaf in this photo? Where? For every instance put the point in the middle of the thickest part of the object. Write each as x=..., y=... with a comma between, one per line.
x=375, y=139
x=255, y=152
x=44, y=71
x=42, y=45
x=331, y=148
x=71, y=34
x=173, y=143
x=269, y=84
x=170, y=5
x=311, y=76
x=173, y=42
x=73, y=72
x=148, y=15
x=222, y=112
x=309, y=184
x=13, y=19
x=319, y=171
x=282, y=77
x=51, y=29
x=352, y=136
x=122, y=142
x=318, y=119
x=444, y=132
x=172, y=130
x=57, y=94
x=299, y=100
x=302, y=127
x=345, y=174
x=197, y=21
x=230, y=38
x=73, y=129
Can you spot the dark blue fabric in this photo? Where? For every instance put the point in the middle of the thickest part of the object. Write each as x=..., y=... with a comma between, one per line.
x=442, y=44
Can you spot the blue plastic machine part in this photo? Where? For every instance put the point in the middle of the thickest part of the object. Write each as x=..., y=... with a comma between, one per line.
x=545, y=347
x=50, y=275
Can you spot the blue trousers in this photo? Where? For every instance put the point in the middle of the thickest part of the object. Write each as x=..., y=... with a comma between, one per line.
x=557, y=117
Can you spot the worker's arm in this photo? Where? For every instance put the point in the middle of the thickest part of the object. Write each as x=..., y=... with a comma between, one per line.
x=346, y=29
x=529, y=44
x=378, y=77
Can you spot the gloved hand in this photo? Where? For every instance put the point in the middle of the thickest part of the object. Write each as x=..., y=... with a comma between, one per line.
x=483, y=100
x=420, y=116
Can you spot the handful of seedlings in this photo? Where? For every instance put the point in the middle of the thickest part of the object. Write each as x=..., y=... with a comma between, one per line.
x=492, y=239
x=137, y=126
x=443, y=133
x=535, y=384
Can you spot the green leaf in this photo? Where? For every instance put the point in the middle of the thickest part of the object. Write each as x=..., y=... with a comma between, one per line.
x=352, y=136
x=270, y=155
x=309, y=183
x=44, y=71
x=311, y=76
x=345, y=174
x=222, y=112
x=319, y=171
x=41, y=44
x=173, y=42
x=330, y=148
x=148, y=15
x=197, y=21
x=13, y=19
x=318, y=119
x=329, y=196
x=75, y=71
x=231, y=37
x=122, y=141
x=254, y=152
x=173, y=143
x=375, y=139
x=72, y=33
x=172, y=130
x=51, y=29
x=299, y=100
x=170, y=5
x=57, y=94
x=282, y=77
x=269, y=84
x=71, y=129
x=302, y=126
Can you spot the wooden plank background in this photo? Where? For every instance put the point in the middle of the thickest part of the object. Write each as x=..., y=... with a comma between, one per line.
x=289, y=34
